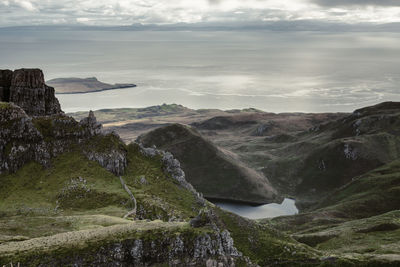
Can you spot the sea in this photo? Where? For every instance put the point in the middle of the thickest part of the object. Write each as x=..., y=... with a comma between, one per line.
x=268, y=70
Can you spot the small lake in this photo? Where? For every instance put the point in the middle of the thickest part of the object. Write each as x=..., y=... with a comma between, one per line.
x=287, y=207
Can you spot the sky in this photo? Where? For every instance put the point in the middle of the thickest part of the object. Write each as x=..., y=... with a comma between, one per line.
x=127, y=12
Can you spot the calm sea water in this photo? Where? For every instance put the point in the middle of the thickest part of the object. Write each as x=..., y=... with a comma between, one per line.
x=287, y=207
x=272, y=71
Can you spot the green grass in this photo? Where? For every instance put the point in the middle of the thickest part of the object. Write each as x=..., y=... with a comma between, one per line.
x=35, y=190
x=211, y=171
x=161, y=194
x=375, y=235
x=50, y=126
x=54, y=203
x=371, y=194
x=264, y=245
x=105, y=143
x=87, y=242
x=4, y=105
x=361, y=218
x=34, y=194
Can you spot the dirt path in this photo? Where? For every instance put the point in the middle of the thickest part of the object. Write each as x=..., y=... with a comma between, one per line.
x=133, y=211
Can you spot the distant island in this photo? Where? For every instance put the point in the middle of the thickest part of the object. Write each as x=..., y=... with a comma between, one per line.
x=82, y=86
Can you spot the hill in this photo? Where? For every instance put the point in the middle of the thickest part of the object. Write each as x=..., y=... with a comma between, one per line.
x=361, y=217
x=210, y=170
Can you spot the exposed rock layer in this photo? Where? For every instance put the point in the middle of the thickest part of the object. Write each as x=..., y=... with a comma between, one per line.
x=27, y=89
x=172, y=248
x=23, y=139
x=5, y=84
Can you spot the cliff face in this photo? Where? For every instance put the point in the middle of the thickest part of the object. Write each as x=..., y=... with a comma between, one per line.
x=33, y=126
x=162, y=244
x=27, y=89
x=23, y=139
x=5, y=84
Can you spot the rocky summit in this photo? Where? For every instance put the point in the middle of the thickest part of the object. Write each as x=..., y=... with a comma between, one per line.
x=27, y=89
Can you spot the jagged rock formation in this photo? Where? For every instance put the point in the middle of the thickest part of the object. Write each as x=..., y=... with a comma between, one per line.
x=172, y=166
x=113, y=160
x=91, y=123
x=172, y=248
x=23, y=139
x=27, y=89
x=35, y=128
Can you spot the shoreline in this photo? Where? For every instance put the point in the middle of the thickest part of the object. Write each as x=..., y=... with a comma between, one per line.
x=98, y=90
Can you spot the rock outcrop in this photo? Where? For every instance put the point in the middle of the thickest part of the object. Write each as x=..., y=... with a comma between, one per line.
x=24, y=139
x=5, y=84
x=161, y=246
x=113, y=160
x=27, y=89
x=33, y=126
x=91, y=123
x=172, y=166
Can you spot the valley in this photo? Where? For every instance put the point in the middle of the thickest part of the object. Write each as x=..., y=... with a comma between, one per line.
x=131, y=187
x=341, y=168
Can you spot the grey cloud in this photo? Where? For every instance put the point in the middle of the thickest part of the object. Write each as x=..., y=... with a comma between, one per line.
x=114, y=12
x=333, y=3
x=214, y=2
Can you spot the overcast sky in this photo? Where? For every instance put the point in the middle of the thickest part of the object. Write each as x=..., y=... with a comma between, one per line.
x=126, y=12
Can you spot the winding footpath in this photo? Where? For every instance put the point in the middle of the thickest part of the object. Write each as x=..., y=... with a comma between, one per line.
x=133, y=211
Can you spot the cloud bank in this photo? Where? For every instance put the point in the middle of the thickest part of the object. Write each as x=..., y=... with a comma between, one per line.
x=332, y=3
x=126, y=12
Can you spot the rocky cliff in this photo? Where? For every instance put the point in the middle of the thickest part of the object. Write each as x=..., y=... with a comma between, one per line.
x=5, y=84
x=34, y=128
x=24, y=139
x=27, y=89
x=174, y=244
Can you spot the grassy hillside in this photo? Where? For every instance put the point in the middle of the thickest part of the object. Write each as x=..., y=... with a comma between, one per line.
x=42, y=210
x=304, y=156
x=361, y=217
x=72, y=212
x=211, y=171
x=371, y=194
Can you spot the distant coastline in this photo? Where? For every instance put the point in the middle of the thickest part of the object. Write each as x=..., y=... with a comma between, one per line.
x=84, y=85
x=98, y=90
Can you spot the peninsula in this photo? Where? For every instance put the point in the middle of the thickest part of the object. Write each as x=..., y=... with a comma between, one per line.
x=83, y=86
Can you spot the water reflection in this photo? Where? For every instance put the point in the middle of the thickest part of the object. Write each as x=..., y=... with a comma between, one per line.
x=272, y=71
x=287, y=207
